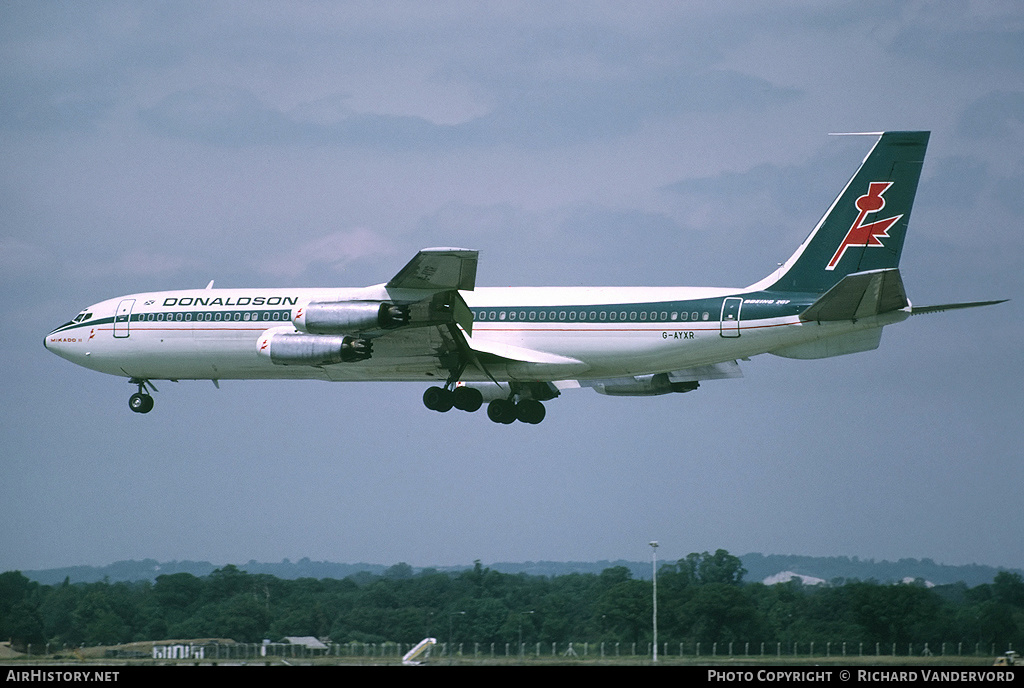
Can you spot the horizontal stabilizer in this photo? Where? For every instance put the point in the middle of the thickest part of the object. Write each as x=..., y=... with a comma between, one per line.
x=438, y=269
x=920, y=310
x=860, y=295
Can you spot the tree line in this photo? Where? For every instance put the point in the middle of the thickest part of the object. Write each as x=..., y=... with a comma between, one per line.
x=701, y=598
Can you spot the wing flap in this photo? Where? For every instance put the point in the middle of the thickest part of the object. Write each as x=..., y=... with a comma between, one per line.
x=521, y=355
x=684, y=380
x=716, y=371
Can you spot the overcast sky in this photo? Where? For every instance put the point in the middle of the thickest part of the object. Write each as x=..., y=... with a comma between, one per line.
x=159, y=145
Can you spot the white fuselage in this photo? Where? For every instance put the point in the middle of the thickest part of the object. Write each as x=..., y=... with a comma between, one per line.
x=565, y=332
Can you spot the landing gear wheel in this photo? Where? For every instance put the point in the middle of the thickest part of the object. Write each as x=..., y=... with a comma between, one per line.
x=140, y=403
x=438, y=399
x=467, y=399
x=530, y=411
x=502, y=411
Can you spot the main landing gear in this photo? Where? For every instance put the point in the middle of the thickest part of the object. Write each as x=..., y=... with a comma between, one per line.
x=504, y=411
x=443, y=399
x=507, y=411
x=141, y=401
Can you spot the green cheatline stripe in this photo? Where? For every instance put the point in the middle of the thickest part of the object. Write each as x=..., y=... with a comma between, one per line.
x=756, y=306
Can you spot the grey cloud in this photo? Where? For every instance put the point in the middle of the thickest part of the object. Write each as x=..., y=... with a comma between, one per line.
x=794, y=189
x=50, y=107
x=219, y=115
x=231, y=116
x=573, y=111
x=543, y=115
x=963, y=50
x=64, y=66
x=586, y=244
x=994, y=115
x=334, y=251
x=21, y=259
x=544, y=83
x=954, y=181
x=1010, y=191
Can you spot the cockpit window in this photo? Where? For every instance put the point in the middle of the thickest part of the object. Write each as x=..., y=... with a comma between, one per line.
x=82, y=317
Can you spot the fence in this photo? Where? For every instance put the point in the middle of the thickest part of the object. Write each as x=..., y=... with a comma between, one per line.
x=826, y=649
x=585, y=650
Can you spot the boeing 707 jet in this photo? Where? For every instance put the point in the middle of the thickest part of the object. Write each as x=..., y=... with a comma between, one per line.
x=519, y=347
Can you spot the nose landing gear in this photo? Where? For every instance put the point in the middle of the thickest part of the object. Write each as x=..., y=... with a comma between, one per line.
x=141, y=401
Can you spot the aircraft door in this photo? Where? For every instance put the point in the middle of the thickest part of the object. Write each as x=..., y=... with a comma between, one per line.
x=731, y=316
x=123, y=317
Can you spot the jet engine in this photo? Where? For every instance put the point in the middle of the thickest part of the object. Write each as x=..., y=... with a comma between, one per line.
x=350, y=317
x=294, y=348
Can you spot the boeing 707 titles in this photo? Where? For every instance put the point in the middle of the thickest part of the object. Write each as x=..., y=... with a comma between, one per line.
x=519, y=347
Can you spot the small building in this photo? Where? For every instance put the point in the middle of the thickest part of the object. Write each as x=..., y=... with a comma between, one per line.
x=179, y=651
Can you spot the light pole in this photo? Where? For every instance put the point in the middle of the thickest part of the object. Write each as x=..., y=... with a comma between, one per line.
x=654, y=594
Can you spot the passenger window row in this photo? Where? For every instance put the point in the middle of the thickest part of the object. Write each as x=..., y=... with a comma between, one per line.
x=581, y=315
x=215, y=316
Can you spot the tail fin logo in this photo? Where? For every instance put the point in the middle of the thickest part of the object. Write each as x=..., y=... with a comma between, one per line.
x=870, y=234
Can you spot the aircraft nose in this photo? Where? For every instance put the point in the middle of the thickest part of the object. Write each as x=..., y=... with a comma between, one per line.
x=58, y=342
x=52, y=342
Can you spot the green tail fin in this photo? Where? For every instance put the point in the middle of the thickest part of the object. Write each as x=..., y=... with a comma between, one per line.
x=866, y=225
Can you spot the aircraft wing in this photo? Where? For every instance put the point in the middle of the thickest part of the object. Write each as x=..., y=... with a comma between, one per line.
x=434, y=277
x=438, y=335
x=412, y=350
x=414, y=323
x=435, y=271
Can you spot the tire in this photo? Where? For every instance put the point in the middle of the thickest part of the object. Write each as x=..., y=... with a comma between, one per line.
x=438, y=399
x=140, y=403
x=467, y=399
x=530, y=411
x=501, y=411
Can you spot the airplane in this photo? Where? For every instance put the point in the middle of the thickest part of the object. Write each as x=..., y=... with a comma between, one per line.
x=519, y=347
